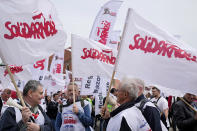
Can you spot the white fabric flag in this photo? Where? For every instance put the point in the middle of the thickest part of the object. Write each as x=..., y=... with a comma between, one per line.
x=104, y=22
x=52, y=83
x=92, y=84
x=114, y=39
x=29, y=31
x=87, y=87
x=19, y=73
x=22, y=74
x=28, y=72
x=153, y=55
x=6, y=83
x=90, y=58
x=39, y=69
x=57, y=63
x=100, y=91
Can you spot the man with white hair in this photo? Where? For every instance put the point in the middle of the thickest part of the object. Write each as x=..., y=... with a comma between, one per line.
x=127, y=117
x=149, y=110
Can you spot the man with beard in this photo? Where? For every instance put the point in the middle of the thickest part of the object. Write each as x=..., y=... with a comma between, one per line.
x=74, y=116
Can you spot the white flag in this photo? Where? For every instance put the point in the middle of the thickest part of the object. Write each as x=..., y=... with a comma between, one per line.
x=19, y=73
x=52, y=83
x=114, y=39
x=39, y=69
x=57, y=63
x=93, y=84
x=104, y=22
x=151, y=54
x=29, y=31
x=90, y=58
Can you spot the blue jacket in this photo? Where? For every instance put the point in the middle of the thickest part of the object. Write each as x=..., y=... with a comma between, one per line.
x=85, y=119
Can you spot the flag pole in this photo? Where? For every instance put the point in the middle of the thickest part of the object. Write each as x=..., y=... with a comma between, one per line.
x=73, y=90
x=114, y=71
x=188, y=104
x=72, y=73
x=14, y=83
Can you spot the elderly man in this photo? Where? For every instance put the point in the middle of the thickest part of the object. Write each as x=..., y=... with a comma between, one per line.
x=32, y=117
x=127, y=117
x=184, y=116
x=74, y=117
x=3, y=99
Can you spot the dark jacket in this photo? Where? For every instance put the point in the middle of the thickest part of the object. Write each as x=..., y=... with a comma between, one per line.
x=52, y=109
x=8, y=121
x=151, y=115
x=184, y=117
x=1, y=105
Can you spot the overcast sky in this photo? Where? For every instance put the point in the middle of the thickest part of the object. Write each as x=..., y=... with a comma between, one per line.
x=179, y=17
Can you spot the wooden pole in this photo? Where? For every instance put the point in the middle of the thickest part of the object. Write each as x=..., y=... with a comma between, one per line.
x=73, y=80
x=114, y=71
x=188, y=104
x=73, y=91
x=14, y=83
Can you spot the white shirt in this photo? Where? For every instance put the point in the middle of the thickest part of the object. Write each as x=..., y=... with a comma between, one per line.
x=162, y=103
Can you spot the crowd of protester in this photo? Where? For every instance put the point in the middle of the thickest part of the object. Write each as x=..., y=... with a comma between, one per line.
x=130, y=107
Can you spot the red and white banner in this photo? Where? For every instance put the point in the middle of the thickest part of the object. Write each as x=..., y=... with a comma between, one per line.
x=22, y=74
x=29, y=31
x=104, y=22
x=90, y=58
x=57, y=63
x=151, y=54
x=39, y=69
x=19, y=73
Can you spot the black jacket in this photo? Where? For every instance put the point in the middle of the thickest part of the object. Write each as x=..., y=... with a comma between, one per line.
x=52, y=109
x=1, y=105
x=151, y=115
x=184, y=117
x=8, y=121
